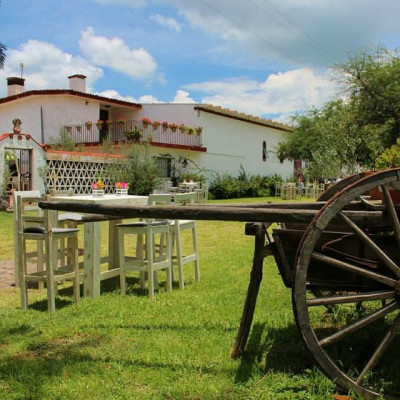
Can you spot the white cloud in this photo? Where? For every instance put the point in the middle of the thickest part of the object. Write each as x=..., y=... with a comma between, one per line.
x=281, y=95
x=148, y=98
x=46, y=67
x=167, y=22
x=114, y=53
x=182, y=97
x=113, y=94
x=297, y=32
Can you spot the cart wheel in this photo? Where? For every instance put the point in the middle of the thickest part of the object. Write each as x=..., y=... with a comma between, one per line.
x=357, y=347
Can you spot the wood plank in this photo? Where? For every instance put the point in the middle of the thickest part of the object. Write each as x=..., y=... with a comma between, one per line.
x=213, y=213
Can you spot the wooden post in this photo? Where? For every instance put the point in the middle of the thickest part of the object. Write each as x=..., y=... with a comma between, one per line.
x=260, y=251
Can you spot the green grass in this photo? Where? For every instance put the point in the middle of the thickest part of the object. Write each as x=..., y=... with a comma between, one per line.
x=175, y=347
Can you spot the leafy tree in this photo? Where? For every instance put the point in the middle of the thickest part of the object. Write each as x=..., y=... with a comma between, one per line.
x=347, y=134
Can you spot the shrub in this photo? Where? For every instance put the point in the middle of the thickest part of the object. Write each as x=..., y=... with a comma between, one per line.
x=63, y=142
x=141, y=172
x=226, y=186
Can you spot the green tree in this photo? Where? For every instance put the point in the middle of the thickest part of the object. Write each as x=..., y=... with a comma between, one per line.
x=347, y=134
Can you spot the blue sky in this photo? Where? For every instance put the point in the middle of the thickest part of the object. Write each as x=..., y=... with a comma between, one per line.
x=263, y=57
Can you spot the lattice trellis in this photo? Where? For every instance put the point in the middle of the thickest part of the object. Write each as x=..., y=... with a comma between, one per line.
x=64, y=175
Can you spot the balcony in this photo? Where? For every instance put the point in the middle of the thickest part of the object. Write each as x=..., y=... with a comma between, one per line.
x=163, y=136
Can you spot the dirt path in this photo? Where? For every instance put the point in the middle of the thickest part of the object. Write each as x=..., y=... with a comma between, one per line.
x=6, y=274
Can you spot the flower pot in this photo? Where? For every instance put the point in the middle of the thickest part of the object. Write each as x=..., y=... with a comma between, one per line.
x=121, y=192
x=97, y=192
x=89, y=127
x=78, y=128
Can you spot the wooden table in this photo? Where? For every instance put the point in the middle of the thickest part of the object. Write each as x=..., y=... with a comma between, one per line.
x=92, y=238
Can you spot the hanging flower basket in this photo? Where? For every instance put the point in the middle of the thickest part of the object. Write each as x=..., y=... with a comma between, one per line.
x=121, y=121
x=199, y=129
x=68, y=128
x=156, y=124
x=182, y=128
x=99, y=124
x=146, y=122
x=78, y=128
x=173, y=127
x=165, y=125
x=88, y=125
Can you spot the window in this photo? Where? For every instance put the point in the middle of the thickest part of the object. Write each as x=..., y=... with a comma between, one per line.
x=264, y=151
x=164, y=166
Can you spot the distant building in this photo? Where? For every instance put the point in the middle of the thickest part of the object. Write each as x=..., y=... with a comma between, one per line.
x=213, y=138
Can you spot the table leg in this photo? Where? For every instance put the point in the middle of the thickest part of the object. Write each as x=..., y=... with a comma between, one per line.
x=113, y=249
x=91, y=277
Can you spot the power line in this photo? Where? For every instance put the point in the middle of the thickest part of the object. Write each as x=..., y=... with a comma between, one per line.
x=278, y=49
x=303, y=32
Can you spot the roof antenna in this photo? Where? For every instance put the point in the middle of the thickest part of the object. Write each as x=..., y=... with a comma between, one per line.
x=22, y=68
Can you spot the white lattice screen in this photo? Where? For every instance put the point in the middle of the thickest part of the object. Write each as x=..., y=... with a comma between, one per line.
x=78, y=176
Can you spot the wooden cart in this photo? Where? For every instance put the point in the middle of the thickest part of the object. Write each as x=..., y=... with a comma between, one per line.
x=341, y=258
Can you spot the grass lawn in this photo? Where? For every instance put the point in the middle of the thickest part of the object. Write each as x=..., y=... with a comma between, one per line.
x=175, y=347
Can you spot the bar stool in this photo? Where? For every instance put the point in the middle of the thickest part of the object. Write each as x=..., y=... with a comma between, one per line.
x=177, y=226
x=50, y=236
x=148, y=258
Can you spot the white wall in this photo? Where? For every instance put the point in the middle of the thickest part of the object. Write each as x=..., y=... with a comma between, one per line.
x=229, y=142
x=58, y=110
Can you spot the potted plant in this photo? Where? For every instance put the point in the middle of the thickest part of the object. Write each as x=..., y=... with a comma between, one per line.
x=189, y=130
x=88, y=125
x=121, y=121
x=164, y=125
x=134, y=134
x=78, y=128
x=98, y=188
x=182, y=128
x=121, y=188
x=199, y=129
x=146, y=122
x=99, y=124
x=156, y=124
x=68, y=128
x=173, y=127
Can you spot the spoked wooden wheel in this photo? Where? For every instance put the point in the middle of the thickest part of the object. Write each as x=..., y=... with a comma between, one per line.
x=354, y=251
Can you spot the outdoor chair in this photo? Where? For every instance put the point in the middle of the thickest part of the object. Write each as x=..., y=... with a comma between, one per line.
x=180, y=259
x=44, y=233
x=153, y=248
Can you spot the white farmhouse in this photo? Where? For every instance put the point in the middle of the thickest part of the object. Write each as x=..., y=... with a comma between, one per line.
x=213, y=138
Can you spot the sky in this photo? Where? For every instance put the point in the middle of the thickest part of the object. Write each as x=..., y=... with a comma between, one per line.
x=269, y=58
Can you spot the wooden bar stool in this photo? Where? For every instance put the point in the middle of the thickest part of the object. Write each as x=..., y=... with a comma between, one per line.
x=178, y=258
x=148, y=257
x=50, y=236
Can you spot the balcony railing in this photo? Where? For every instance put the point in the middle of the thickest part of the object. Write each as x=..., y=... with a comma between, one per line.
x=96, y=133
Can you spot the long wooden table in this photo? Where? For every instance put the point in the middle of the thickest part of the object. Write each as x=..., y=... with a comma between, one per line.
x=92, y=237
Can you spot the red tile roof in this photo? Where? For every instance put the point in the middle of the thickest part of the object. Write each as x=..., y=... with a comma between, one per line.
x=226, y=112
x=70, y=93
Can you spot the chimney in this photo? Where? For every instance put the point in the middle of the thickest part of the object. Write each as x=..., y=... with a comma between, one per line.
x=15, y=86
x=77, y=82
